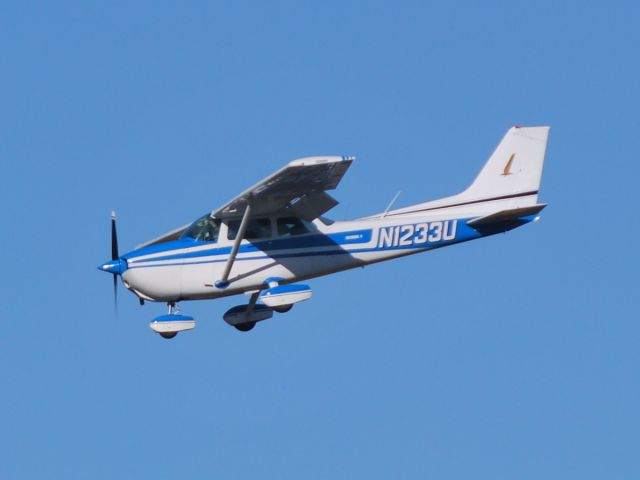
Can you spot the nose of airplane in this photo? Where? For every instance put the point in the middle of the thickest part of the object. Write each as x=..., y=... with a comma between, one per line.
x=118, y=266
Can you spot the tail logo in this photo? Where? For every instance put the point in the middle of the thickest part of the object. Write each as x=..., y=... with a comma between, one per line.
x=507, y=167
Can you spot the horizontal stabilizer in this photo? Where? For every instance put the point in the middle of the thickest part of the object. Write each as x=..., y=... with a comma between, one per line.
x=505, y=216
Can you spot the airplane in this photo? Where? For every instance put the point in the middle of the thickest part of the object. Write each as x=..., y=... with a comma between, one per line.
x=274, y=235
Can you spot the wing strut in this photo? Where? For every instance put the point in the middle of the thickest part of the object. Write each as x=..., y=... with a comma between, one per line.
x=224, y=281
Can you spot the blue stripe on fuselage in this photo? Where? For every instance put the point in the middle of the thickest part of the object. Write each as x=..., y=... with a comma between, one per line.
x=404, y=239
x=286, y=243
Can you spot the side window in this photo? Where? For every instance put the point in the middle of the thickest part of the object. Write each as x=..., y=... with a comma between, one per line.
x=292, y=226
x=257, y=228
x=205, y=229
x=210, y=232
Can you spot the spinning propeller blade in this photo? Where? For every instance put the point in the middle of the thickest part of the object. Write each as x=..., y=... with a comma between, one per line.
x=114, y=256
x=116, y=266
x=114, y=237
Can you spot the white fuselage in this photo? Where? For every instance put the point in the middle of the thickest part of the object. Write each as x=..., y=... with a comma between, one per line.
x=188, y=270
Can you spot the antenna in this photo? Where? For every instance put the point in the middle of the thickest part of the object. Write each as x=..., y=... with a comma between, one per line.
x=393, y=200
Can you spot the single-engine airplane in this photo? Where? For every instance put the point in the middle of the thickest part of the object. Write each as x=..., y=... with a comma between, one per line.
x=274, y=235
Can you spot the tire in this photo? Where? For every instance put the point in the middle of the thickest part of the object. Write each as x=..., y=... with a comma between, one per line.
x=245, y=327
x=282, y=308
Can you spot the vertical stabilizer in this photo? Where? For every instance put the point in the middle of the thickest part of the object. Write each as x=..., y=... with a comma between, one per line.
x=510, y=179
x=515, y=167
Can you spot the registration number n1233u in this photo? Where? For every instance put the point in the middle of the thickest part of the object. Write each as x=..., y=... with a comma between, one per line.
x=417, y=234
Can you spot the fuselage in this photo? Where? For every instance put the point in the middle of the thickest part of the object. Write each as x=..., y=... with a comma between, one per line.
x=187, y=269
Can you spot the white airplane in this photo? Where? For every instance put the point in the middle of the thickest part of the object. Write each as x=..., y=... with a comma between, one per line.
x=273, y=236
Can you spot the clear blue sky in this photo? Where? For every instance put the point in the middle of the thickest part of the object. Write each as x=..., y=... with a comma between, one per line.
x=510, y=357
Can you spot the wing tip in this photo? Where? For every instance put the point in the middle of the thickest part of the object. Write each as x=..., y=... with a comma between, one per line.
x=320, y=159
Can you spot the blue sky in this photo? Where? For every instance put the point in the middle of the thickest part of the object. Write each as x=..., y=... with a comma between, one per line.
x=510, y=357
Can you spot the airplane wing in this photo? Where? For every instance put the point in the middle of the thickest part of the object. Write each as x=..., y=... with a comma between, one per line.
x=300, y=186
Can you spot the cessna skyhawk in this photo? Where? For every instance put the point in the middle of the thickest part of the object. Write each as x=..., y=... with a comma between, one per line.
x=274, y=235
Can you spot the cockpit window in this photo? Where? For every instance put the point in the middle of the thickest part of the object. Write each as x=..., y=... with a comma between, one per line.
x=256, y=228
x=205, y=229
x=293, y=226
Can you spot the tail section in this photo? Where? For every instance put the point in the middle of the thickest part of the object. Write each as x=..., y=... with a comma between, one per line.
x=515, y=167
x=509, y=180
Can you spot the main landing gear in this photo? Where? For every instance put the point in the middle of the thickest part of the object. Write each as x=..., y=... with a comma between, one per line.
x=283, y=308
x=276, y=298
x=259, y=312
x=245, y=327
x=244, y=317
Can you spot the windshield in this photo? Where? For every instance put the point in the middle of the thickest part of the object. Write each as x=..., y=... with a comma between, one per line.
x=204, y=229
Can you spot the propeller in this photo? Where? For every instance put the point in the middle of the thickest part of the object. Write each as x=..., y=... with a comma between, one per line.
x=114, y=256
x=116, y=266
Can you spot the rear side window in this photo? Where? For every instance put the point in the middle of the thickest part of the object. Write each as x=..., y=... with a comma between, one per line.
x=292, y=226
x=256, y=228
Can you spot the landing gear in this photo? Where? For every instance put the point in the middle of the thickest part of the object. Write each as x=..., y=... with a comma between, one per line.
x=281, y=297
x=244, y=317
x=168, y=326
x=283, y=308
x=245, y=327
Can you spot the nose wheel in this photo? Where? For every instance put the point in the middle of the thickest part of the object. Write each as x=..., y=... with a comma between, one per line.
x=169, y=325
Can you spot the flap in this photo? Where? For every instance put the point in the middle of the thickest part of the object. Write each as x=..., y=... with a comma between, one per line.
x=312, y=205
